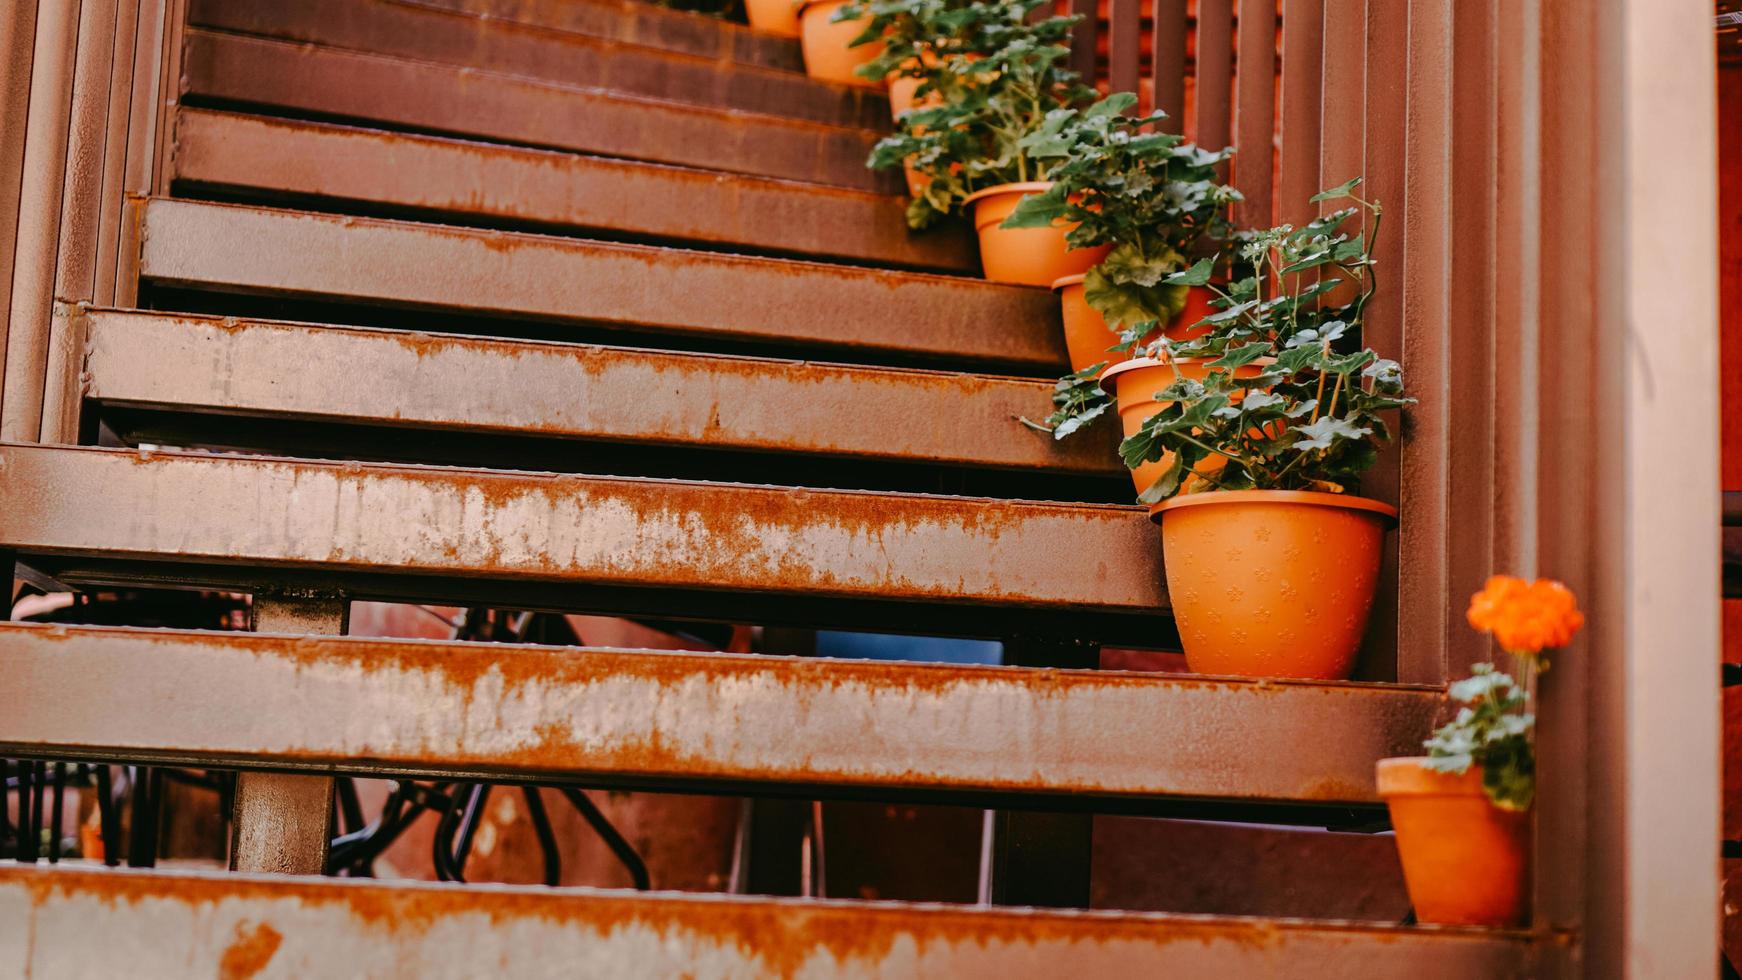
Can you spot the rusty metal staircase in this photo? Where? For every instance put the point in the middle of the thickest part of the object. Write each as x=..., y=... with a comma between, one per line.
x=592, y=306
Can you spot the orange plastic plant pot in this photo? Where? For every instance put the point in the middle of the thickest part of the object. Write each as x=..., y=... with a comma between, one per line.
x=1087, y=335
x=1465, y=860
x=1025, y=256
x=777, y=17
x=825, y=43
x=1272, y=583
x=1133, y=384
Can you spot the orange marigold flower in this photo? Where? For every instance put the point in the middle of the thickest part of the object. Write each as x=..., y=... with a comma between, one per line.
x=1526, y=617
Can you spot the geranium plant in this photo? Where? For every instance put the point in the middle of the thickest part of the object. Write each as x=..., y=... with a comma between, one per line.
x=997, y=87
x=1124, y=182
x=1495, y=727
x=1311, y=418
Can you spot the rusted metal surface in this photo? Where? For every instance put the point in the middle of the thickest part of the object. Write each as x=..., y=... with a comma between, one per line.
x=279, y=822
x=43, y=177
x=1298, y=109
x=438, y=98
x=1168, y=59
x=735, y=297
x=260, y=368
x=1124, y=44
x=1255, y=112
x=428, y=34
x=1213, y=81
x=207, y=925
x=637, y=22
x=228, y=151
x=17, y=44
x=365, y=705
x=579, y=530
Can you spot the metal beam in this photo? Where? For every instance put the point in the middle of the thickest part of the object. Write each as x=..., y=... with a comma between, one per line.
x=227, y=153
x=435, y=98
x=566, y=58
x=444, y=381
x=164, y=924
x=500, y=711
x=848, y=311
x=326, y=517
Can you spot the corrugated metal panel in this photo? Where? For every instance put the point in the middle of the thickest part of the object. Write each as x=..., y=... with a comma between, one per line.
x=163, y=924
x=495, y=182
x=679, y=719
x=443, y=381
x=498, y=273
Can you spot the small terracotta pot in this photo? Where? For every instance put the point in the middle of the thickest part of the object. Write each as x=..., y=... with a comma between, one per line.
x=1272, y=583
x=1087, y=335
x=1026, y=256
x=1133, y=384
x=777, y=17
x=1465, y=860
x=825, y=44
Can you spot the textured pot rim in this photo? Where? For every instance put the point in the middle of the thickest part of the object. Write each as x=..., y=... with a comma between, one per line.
x=1408, y=776
x=1019, y=187
x=1135, y=363
x=1068, y=281
x=1312, y=498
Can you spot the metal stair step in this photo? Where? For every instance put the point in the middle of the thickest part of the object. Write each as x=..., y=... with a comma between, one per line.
x=697, y=722
x=310, y=79
x=196, y=924
x=230, y=152
x=842, y=310
x=638, y=22
x=453, y=38
x=442, y=381
x=912, y=563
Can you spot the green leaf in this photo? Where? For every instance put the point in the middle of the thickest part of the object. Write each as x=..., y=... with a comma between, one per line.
x=1238, y=357
x=1327, y=430
x=1198, y=275
x=1039, y=210
x=1345, y=189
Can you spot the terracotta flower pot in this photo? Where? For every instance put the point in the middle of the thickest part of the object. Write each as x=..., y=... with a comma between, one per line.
x=1025, y=256
x=1133, y=384
x=1272, y=583
x=1465, y=860
x=1087, y=335
x=825, y=43
x=777, y=17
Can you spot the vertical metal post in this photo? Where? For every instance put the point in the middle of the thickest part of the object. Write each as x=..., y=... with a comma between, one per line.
x=281, y=821
x=1042, y=859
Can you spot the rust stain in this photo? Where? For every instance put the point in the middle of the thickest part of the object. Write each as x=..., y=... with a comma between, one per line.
x=251, y=951
x=779, y=937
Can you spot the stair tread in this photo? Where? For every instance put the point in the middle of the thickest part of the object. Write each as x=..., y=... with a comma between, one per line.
x=678, y=720
x=329, y=927
x=311, y=79
x=638, y=22
x=514, y=184
x=604, y=543
x=840, y=309
x=468, y=41
x=444, y=381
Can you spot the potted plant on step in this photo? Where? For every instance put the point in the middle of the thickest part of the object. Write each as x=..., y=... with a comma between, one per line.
x=1248, y=444
x=1462, y=812
x=835, y=41
x=994, y=92
x=1155, y=199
